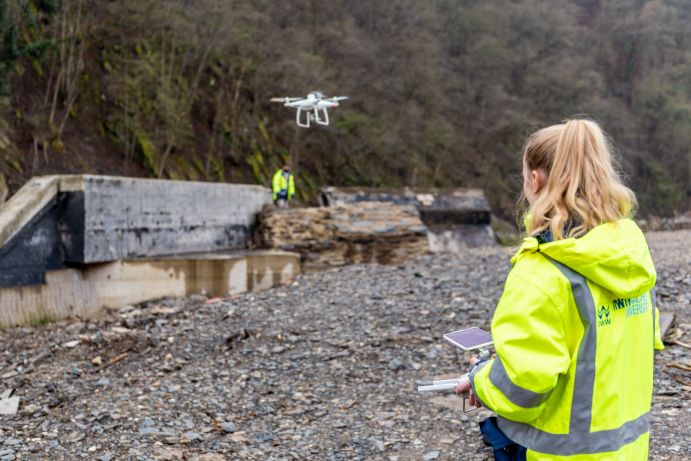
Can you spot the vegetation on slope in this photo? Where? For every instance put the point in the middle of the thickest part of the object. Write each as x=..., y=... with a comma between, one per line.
x=443, y=92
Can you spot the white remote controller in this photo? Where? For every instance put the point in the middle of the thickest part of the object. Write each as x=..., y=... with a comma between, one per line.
x=443, y=384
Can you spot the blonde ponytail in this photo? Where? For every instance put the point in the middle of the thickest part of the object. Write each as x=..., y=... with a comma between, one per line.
x=582, y=188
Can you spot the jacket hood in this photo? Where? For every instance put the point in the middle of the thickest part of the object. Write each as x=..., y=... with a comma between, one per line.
x=613, y=255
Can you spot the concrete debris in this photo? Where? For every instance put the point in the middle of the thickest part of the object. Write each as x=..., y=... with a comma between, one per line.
x=163, y=310
x=71, y=344
x=323, y=369
x=9, y=406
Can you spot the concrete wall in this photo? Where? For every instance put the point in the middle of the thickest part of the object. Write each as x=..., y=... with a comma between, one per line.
x=55, y=222
x=127, y=218
x=70, y=245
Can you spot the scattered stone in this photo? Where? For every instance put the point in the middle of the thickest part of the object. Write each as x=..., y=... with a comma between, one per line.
x=169, y=454
x=97, y=361
x=378, y=444
x=190, y=436
x=145, y=430
x=430, y=455
x=31, y=409
x=71, y=344
x=9, y=374
x=228, y=427
x=396, y=364
x=210, y=457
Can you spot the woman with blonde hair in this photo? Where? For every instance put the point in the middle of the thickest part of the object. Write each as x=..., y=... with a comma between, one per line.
x=576, y=326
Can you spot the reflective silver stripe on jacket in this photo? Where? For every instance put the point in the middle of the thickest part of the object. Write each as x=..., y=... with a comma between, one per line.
x=579, y=440
x=515, y=394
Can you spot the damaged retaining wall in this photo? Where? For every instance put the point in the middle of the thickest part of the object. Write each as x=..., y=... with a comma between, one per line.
x=455, y=218
x=355, y=233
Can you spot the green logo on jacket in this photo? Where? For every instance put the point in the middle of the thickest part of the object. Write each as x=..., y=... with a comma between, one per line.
x=603, y=316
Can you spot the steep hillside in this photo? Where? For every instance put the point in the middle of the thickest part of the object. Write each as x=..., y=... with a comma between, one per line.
x=443, y=92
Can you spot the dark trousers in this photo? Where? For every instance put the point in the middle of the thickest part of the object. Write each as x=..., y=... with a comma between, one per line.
x=504, y=448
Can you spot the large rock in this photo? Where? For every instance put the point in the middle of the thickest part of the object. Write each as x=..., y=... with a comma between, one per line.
x=345, y=234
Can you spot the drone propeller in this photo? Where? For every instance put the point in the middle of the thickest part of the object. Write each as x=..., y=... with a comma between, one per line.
x=284, y=100
x=337, y=98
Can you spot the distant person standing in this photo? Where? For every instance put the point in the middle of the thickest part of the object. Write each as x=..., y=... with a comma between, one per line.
x=283, y=186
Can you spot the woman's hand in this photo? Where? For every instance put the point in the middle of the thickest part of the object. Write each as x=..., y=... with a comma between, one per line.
x=464, y=386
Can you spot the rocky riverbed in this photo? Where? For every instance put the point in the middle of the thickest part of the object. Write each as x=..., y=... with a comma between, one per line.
x=325, y=368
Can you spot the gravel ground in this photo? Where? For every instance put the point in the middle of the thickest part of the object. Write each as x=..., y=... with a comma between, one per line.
x=323, y=369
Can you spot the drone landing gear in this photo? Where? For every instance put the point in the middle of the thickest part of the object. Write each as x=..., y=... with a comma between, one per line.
x=308, y=118
x=321, y=121
x=312, y=116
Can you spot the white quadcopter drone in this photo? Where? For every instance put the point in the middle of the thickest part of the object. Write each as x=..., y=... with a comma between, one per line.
x=315, y=106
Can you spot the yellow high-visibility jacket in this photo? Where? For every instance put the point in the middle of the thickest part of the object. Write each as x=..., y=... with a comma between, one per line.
x=575, y=332
x=279, y=184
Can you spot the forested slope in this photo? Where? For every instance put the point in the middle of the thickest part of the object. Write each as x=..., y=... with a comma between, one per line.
x=443, y=92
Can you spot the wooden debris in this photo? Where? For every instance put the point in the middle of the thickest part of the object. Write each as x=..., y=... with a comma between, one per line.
x=681, y=366
x=682, y=344
x=110, y=362
x=666, y=320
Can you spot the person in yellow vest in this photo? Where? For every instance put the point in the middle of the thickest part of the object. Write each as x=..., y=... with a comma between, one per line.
x=283, y=185
x=576, y=326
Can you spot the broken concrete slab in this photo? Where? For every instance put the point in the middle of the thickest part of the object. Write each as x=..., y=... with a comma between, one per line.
x=9, y=406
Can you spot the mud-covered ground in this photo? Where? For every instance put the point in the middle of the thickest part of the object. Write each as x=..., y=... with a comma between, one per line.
x=323, y=369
